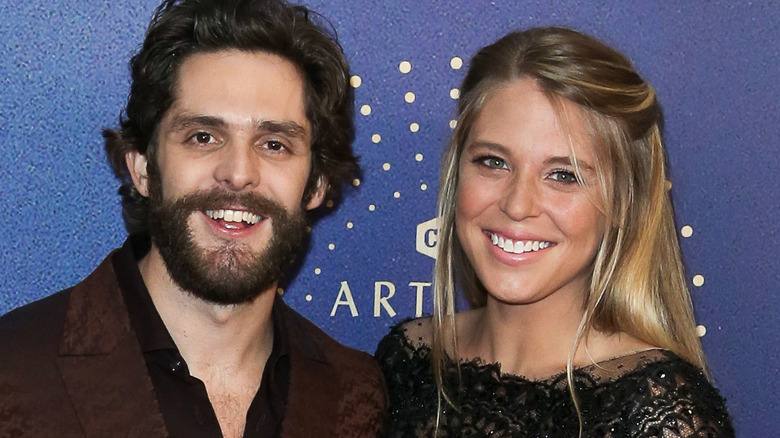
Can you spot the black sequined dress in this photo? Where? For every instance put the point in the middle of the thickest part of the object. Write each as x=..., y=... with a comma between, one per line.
x=653, y=393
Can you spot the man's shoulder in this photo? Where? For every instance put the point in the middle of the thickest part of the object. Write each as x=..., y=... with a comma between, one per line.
x=350, y=396
x=30, y=385
x=37, y=325
x=315, y=341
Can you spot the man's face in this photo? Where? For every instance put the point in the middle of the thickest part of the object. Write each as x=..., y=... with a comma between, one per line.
x=232, y=162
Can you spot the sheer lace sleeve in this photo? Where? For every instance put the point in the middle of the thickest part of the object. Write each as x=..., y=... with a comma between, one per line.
x=412, y=393
x=674, y=399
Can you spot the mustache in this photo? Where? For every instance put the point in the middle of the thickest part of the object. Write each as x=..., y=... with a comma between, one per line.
x=215, y=199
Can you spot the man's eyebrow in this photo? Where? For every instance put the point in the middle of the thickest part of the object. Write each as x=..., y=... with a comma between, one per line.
x=567, y=161
x=289, y=129
x=184, y=121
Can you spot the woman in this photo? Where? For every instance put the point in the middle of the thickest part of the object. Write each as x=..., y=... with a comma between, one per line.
x=556, y=222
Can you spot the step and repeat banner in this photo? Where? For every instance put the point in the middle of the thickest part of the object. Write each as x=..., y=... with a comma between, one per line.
x=64, y=77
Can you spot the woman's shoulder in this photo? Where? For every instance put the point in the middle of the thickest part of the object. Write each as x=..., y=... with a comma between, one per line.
x=660, y=372
x=663, y=392
x=414, y=334
x=405, y=339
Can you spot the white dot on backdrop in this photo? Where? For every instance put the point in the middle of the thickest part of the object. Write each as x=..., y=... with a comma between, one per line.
x=355, y=81
x=405, y=67
x=686, y=231
x=371, y=207
x=332, y=246
x=418, y=157
x=376, y=138
x=308, y=297
x=350, y=225
x=409, y=97
x=365, y=109
x=414, y=127
x=397, y=195
x=698, y=280
x=317, y=271
x=355, y=182
x=454, y=93
x=386, y=166
x=456, y=63
x=423, y=187
x=701, y=331
x=453, y=124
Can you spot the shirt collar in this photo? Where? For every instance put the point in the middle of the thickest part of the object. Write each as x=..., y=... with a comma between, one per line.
x=150, y=328
x=144, y=318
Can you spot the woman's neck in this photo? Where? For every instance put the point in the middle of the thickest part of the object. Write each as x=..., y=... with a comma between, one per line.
x=535, y=340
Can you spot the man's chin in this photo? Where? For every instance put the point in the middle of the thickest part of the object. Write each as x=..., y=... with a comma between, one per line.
x=227, y=297
x=226, y=276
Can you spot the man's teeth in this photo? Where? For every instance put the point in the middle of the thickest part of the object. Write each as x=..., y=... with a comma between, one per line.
x=234, y=216
x=518, y=247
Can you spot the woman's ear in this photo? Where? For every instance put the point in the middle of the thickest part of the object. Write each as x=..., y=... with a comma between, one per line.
x=318, y=196
x=136, y=164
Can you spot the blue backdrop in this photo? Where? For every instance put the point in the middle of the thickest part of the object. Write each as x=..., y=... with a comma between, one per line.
x=63, y=77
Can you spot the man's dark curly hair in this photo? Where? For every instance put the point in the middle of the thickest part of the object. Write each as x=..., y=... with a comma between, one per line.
x=182, y=28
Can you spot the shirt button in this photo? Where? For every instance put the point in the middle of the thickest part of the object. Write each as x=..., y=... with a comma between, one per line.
x=261, y=422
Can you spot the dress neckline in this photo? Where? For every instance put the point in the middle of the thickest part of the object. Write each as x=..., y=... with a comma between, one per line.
x=637, y=359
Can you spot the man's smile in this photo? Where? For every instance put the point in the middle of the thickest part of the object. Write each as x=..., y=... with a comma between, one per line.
x=234, y=219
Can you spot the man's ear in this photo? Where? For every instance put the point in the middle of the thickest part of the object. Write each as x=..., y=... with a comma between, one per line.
x=136, y=164
x=318, y=195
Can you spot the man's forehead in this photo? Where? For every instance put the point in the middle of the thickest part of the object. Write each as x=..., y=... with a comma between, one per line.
x=240, y=88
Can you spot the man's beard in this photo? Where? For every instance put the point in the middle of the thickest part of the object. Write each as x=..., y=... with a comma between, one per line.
x=230, y=273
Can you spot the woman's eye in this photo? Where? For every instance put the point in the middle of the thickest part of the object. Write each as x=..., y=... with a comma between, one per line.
x=564, y=176
x=493, y=162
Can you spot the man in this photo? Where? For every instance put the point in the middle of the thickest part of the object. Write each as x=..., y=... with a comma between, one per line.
x=239, y=120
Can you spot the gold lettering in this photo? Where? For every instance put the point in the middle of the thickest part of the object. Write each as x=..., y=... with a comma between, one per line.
x=418, y=306
x=344, y=299
x=383, y=301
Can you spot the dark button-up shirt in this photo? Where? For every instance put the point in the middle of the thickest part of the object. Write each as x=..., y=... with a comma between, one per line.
x=182, y=398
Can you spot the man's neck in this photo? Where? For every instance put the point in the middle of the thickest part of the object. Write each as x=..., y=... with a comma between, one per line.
x=226, y=347
x=210, y=336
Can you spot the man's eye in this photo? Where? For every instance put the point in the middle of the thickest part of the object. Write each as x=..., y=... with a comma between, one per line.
x=492, y=162
x=564, y=176
x=274, y=145
x=203, y=138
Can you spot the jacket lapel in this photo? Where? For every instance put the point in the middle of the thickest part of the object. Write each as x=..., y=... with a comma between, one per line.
x=102, y=365
x=313, y=383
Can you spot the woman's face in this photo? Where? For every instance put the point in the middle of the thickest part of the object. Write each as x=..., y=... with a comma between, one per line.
x=528, y=228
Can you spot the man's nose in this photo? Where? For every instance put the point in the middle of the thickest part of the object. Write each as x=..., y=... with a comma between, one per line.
x=238, y=166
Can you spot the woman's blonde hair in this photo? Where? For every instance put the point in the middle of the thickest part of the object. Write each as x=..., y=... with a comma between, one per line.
x=638, y=284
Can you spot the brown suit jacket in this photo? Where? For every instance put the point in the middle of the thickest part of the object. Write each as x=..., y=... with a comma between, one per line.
x=71, y=366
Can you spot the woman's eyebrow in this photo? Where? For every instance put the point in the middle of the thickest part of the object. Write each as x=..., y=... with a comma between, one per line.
x=499, y=148
x=567, y=161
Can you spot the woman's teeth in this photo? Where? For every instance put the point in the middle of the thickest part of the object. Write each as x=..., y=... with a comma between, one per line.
x=519, y=246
